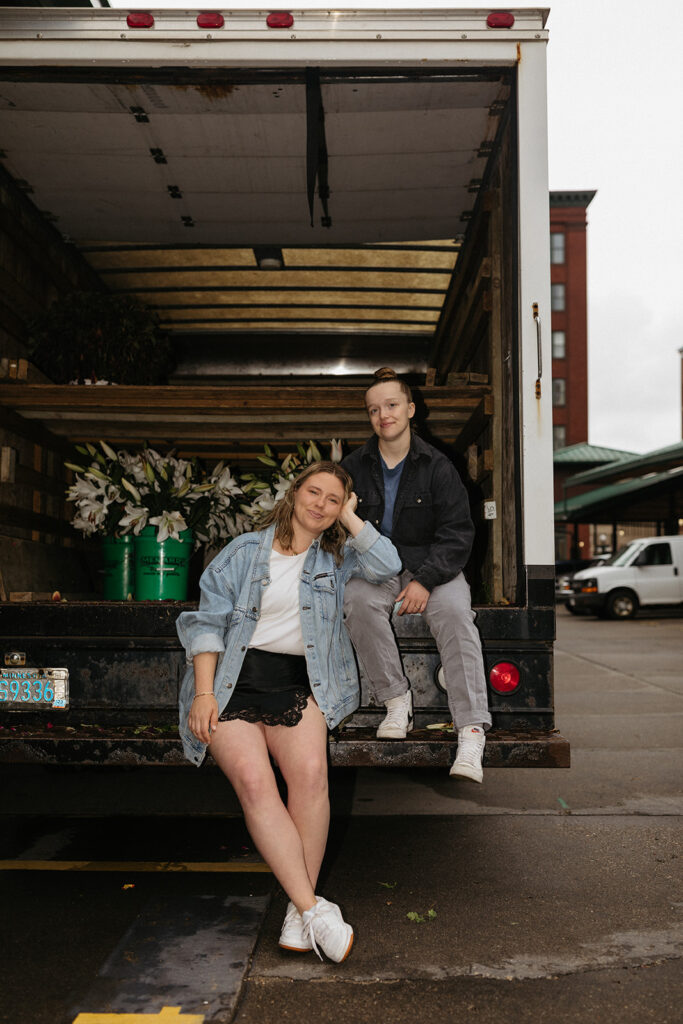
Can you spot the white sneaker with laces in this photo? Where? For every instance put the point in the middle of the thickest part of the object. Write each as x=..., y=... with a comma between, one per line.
x=324, y=926
x=467, y=764
x=399, y=718
x=292, y=934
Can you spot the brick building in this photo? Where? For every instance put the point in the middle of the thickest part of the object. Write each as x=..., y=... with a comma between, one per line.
x=569, y=325
x=569, y=305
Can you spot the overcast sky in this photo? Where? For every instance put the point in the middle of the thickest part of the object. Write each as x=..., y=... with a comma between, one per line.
x=615, y=85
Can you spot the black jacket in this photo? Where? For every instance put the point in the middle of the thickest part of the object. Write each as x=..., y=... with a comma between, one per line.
x=431, y=527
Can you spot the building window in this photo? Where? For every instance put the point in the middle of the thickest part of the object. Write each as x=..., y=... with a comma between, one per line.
x=559, y=391
x=557, y=298
x=559, y=345
x=556, y=247
x=559, y=436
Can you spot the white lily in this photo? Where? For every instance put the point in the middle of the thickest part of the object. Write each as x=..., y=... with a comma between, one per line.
x=335, y=450
x=182, y=471
x=226, y=482
x=171, y=524
x=132, y=467
x=85, y=525
x=281, y=488
x=266, y=502
x=90, y=517
x=135, y=516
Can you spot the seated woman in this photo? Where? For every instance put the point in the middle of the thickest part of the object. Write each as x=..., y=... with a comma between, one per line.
x=273, y=669
x=414, y=495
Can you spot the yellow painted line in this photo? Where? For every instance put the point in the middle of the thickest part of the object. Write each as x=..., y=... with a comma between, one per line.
x=132, y=866
x=169, y=1015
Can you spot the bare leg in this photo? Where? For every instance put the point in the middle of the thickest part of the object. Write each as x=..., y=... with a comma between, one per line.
x=301, y=754
x=240, y=750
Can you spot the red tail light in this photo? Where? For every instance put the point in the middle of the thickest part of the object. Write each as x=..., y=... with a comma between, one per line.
x=279, y=19
x=504, y=677
x=140, y=19
x=211, y=20
x=500, y=19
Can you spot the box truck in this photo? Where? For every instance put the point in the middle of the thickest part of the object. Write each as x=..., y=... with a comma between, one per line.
x=301, y=196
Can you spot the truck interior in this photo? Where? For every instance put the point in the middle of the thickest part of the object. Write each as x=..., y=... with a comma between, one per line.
x=293, y=230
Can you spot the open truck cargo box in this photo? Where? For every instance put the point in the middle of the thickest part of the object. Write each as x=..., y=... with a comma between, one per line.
x=393, y=165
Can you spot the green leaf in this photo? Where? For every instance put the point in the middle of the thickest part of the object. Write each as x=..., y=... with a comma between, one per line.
x=412, y=915
x=388, y=885
x=266, y=461
x=431, y=913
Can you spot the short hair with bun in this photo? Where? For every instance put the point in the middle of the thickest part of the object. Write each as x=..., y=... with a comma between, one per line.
x=386, y=374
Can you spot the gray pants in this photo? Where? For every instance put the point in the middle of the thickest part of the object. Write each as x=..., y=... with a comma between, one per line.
x=449, y=615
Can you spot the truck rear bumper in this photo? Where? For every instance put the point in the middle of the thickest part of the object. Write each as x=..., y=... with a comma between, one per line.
x=351, y=748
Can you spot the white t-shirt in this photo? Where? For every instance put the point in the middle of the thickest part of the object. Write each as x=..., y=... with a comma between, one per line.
x=279, y=627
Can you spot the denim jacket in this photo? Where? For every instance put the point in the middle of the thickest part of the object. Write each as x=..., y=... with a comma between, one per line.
x=231, y=590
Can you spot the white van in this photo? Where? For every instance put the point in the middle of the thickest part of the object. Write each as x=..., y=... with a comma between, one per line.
x=649, y=571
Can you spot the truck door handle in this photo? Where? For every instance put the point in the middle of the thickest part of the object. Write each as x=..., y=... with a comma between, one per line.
x=539, y=350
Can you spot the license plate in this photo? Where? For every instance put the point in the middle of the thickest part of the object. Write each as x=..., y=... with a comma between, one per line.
x=34, y=689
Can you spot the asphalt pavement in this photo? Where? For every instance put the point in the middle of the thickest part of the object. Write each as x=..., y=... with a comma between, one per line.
x=544, y=895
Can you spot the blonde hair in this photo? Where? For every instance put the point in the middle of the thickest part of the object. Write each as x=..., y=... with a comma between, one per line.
x=334, y=537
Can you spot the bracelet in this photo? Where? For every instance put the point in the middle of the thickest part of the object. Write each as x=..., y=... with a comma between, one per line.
x=204, y=693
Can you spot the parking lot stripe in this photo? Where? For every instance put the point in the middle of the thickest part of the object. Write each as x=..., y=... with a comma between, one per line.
x=198, y=867
x=168, y=1015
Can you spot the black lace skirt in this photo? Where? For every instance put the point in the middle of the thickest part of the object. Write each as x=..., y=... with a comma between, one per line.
x=271, y=688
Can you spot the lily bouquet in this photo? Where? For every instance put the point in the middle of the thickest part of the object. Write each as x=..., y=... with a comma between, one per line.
x=119, y=492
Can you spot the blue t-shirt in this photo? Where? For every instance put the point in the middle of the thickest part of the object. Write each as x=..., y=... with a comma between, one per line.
x=391, y=482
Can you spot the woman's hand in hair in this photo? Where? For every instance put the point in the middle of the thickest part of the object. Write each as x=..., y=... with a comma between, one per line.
x=348, y=518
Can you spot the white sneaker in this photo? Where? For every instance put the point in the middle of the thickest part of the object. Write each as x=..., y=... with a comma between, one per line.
x=292, y=934
x=399, y=718
x=467, y=764
x=324, y=926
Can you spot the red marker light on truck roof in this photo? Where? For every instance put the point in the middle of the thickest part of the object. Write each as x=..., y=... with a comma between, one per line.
x=504, y=677
x=140, y=19
x=500, y=19
x=212, y=19
x=279, y=19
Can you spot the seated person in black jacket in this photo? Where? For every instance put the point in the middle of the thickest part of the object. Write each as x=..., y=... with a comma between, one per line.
x=412, y=493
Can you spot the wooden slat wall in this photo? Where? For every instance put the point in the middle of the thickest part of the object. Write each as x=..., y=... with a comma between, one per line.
x=229, y=422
